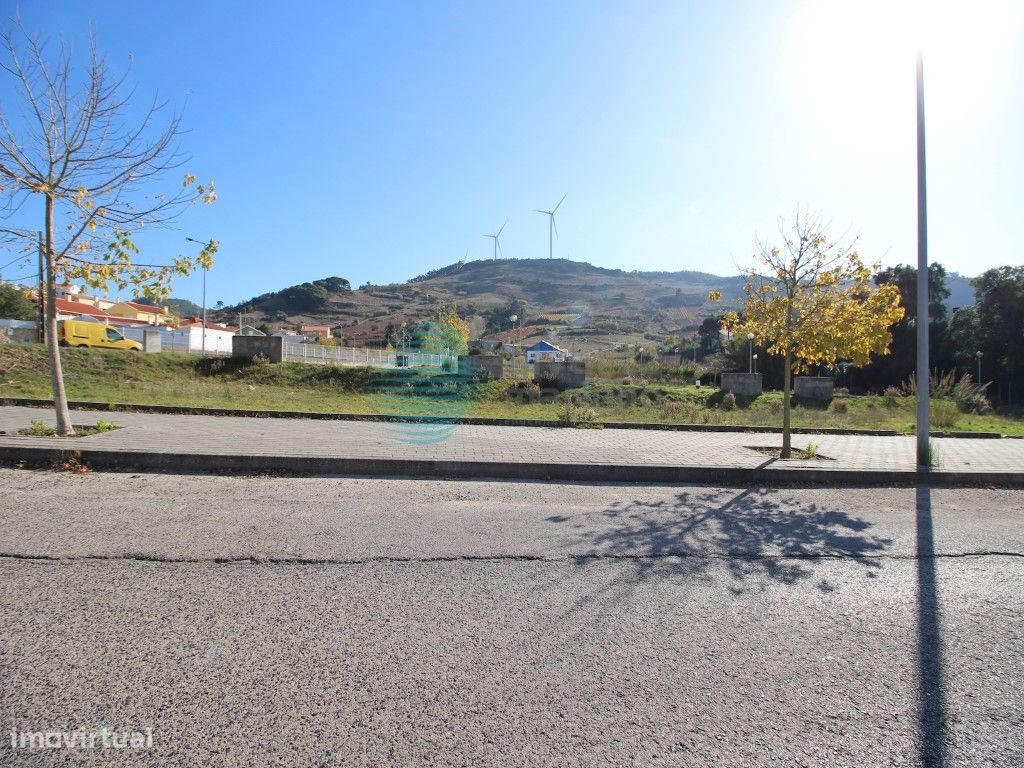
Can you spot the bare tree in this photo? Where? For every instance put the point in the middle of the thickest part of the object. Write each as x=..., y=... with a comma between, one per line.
x=70, y=143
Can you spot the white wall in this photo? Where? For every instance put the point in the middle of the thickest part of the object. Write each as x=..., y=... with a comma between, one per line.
x=183, y=339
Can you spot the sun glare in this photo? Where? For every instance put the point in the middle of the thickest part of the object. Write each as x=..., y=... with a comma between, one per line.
x=862, y=54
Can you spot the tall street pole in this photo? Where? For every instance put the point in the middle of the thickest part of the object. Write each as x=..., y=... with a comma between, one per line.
x=923, y=448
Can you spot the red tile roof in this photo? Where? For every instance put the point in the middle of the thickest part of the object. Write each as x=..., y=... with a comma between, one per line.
x=80, y=308
x=145, y=307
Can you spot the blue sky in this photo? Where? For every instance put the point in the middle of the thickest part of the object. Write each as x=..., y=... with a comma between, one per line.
x=377, y=141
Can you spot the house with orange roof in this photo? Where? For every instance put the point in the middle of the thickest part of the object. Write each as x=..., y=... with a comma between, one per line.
x=146, y=313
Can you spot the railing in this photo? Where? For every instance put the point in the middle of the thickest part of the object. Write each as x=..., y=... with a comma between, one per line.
x=379, y=358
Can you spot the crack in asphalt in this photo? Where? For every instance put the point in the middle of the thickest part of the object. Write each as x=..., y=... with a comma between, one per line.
x=584, y=557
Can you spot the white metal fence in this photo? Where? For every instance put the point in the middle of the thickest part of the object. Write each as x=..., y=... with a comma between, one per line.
x=379, y=358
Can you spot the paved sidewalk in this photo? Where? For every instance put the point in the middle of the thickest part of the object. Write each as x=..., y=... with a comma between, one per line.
x=298, y=445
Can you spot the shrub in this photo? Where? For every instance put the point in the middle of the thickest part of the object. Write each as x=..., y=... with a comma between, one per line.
x=839, y=406
x=729, y=401
x=842, y=392
x=893, y=392
x=38, y=429
x=944, y=413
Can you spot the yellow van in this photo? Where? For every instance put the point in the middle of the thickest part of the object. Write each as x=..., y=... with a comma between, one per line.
x=82, y=333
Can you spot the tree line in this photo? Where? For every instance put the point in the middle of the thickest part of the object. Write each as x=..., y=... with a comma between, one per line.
x=993, y=326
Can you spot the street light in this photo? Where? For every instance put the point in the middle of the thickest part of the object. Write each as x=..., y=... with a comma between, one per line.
x=512, y=320
x=754, y=364
x=750, y=351
x=641, y=351
x=978, y=355
x=193, y=240
x=923, y=437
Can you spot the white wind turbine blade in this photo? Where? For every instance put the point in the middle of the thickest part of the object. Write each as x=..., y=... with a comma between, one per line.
x=560, y=202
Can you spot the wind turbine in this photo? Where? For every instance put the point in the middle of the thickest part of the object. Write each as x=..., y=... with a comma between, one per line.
x=552, y=227
x=497, y=243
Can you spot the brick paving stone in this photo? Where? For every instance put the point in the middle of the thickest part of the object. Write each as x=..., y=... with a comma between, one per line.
x=226, y=435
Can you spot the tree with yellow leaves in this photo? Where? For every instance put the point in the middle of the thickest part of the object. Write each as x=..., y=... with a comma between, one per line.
x=454, y=328
x=75, y=145
x=812, y=302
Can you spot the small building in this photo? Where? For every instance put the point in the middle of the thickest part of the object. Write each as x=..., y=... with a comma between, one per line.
x=132, y=310
x=315, y=331
x=75, y=310
x=248, y=330
x=290, y=337
x=545, y=352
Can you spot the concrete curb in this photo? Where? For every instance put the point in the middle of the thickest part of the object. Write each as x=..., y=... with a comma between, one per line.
x=451, y=469
x=470, y=420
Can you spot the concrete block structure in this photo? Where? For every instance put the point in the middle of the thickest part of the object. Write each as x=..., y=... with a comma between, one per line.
x=483, y=366
x=151, y=340
x=568, y=375
x=247, y=347
x=742, y=384
x=814, y=387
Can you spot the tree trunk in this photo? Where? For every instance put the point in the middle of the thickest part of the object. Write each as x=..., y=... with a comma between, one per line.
x=60, y=398
x=787, y=378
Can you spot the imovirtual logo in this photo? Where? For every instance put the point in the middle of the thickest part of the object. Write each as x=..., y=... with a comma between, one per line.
x=427, y=392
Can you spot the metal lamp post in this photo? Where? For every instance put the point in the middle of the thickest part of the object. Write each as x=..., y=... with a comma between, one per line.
x=753, y=364
x=641, y=351
x=923, y=446
x=515, y=363
x=978, y=355
x=750, y=351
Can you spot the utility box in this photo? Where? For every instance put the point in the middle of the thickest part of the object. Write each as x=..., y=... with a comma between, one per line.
x=151, y=340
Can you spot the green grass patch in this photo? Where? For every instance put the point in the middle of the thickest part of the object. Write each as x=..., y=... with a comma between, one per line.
x=109, y=376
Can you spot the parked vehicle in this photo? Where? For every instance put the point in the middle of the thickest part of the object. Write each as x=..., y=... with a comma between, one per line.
x=81, y=333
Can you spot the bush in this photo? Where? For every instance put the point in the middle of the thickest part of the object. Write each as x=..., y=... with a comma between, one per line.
x=893, y=392
x=524, y=392
x=839, y=406
x=572, y=415
x=944, y=413
x=729, y=401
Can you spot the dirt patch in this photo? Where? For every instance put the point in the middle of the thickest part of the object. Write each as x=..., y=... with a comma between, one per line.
x=798, y=453
x=15, y=358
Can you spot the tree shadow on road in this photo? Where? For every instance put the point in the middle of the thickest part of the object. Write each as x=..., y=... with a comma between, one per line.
x=760, y=536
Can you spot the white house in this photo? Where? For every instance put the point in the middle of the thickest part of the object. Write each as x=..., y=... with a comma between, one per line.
x=545, y=352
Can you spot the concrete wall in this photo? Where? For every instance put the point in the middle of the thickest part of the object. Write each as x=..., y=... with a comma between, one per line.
x=247, y=347
x=560, y=375
x=742, y=384
x=17, y=332
x=485, y=366
x=814, y=387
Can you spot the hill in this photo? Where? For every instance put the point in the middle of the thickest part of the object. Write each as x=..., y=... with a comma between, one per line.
x=557, y=297
x=584, y=306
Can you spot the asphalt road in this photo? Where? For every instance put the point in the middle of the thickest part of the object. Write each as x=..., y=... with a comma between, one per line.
x=326, y=621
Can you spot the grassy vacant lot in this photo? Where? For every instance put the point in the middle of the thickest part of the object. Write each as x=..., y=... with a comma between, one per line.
x=173, y=379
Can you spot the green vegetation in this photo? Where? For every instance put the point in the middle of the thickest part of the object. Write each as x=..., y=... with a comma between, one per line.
x=40, y=428
x=15, y=305
x=173, y=379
